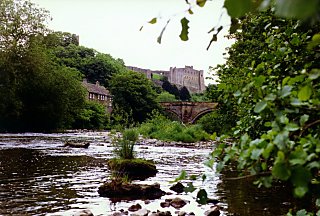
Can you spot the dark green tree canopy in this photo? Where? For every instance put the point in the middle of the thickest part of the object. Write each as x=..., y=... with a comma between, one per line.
x=184, y=94
x=36, y=93
x=134, y=93
x=93, y=65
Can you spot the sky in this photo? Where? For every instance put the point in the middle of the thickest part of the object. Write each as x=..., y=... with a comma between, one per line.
x=113, y=27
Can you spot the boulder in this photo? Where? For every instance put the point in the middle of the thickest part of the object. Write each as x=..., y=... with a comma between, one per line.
x=178, y=188
x=135, y=169
x=140, y=212
x=165, y=204
x=135, y=207
x=128, y=191
x=177, y=202
x=76, y=144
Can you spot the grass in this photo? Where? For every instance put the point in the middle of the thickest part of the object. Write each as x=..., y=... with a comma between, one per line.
x=124, y=145
x=159, y=127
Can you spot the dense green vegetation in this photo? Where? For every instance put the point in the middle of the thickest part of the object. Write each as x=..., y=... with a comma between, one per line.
x=162, y=128
x=270, y=82
x=36, y=93
x=134, y=96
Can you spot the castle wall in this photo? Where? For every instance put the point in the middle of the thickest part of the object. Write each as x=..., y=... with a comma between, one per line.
x=187, y=76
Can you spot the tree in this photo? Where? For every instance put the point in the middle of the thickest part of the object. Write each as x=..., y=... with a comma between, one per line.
x=36, y=93
x=93, y=65
x=184, y=94
x=58, y=38
x=172, y=89
x=93, y=116
x=20, y=21
x=271, y=77
x=133, y=93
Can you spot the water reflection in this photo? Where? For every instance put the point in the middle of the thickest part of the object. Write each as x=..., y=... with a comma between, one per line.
x=245, y=198
x=33, y=181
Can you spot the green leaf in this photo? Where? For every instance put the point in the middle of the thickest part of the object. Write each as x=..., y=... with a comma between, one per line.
x=182, y=176
x=201, y=3
x=296, y=8
x=304, y=119
x=285, y=91
x=281, y=139
x=213, y=39
x=209, y=163
x=300, y=192
x=255, y=154
x=184, y=31
x=202, y=197
x=260, y=106
x=285, y=80
x=318, y=202
x=161, y=34
x=270, y=97
x=237, y=93
x=315, y=73
x=300, y=178
x=305, y=93
x=292, y=127
x=302, y=212
x=296, y=102
x=238, y=8
x=204, y=177
x=153, y=20
x=281, y=171
x=190, y=188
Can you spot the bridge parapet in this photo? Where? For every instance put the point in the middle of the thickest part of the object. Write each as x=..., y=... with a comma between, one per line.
x=189, y=112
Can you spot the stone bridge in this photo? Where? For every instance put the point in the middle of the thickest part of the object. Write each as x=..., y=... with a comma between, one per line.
x=188, y=112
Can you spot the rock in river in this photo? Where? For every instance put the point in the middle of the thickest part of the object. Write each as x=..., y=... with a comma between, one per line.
x=124, y=190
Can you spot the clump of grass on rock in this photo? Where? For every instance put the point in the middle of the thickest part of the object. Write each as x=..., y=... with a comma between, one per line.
x=125, y=163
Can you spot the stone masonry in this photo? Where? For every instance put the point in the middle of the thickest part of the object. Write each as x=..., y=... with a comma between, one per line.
x=187, y=76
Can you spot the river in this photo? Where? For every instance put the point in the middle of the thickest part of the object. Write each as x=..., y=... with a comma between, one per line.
x=40, y=176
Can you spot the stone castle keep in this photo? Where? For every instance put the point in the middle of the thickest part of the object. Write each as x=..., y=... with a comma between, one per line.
x=187, y=76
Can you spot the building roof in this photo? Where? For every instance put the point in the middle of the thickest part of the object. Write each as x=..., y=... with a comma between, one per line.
x=95, y=88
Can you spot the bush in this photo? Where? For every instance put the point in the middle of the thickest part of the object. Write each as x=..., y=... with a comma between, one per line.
x=93, y=116
x=159, y=127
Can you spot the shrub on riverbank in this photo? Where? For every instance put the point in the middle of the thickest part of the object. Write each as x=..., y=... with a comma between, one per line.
x=159, y=127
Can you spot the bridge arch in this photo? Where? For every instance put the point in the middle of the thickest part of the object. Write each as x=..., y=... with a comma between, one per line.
x=189, y=112
x=200, y=115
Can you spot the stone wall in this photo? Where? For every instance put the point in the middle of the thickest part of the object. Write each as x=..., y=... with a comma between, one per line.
x=187, y=76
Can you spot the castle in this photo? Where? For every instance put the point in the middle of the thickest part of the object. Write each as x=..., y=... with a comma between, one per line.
x=192, y=79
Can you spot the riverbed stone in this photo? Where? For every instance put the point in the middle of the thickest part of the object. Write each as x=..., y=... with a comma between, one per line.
x=76, y=144
x=85, y=212
x=135, y=207
x=178, y=203
x=165, y=204
x=140, y=212
x=178, y=188
x=125, y=190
